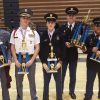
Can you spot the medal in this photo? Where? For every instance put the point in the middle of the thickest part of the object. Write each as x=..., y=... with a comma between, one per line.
x=50, y=44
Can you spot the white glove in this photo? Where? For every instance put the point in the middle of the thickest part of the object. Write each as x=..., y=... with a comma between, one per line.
x=45, y=67
x=59, y=65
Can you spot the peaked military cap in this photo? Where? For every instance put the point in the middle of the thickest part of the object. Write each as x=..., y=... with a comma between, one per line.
x=96, y=21
x=72, y=10
x=50, y=17
x=25, y=12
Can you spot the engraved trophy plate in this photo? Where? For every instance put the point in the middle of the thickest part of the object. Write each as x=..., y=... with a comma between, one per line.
x=52, y=60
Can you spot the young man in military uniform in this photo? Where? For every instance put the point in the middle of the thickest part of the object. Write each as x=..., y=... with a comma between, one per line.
x=93, y=67
x=5, y=56
x=70, y=53
x=51, y=37
x=31, y=38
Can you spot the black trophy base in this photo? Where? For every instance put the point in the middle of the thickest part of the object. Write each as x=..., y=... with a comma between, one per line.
x=4, y=65
x=95, y=60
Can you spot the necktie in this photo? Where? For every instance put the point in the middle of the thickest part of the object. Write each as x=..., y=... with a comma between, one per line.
x=70, y=26
x=50, y=36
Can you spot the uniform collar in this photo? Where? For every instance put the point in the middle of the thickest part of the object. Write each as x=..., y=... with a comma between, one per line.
x=71, y=24
x=96, y=35
x=27, y=29
x=51, y=33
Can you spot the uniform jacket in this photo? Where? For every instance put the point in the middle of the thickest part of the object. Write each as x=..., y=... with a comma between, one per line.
x=69, y=53
x=57, y=42
x=91, y=42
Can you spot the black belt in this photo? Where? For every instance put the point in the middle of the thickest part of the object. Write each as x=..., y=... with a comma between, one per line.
x=28, y=55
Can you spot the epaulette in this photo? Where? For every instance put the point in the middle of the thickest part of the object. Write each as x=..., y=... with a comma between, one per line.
x=64, y=25
x=14, y=31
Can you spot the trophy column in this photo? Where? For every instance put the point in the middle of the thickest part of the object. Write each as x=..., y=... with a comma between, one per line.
x=23, y=58
x=52, y=60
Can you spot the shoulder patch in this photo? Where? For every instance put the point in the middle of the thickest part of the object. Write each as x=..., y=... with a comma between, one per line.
x=14, y=31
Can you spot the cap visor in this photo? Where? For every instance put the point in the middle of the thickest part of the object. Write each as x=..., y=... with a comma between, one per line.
x=23, y=15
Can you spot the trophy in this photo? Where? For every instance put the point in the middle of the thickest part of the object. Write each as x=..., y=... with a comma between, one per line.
x=82, y=38
x=96, y=55
x=86, y=18
x=3, y=57
x=23, y=58
x=52, y=61
x=76, y=36
x=78, y=40
x=80, y=44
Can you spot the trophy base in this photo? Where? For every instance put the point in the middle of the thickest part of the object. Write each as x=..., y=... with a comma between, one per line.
x=95, y=60
x=23, y=72
x=52, y=71
x=4, y=65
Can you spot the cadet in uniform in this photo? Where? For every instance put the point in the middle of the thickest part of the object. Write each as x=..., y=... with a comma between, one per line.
x=32, y=42
x=4, y=72
x=51, y=36
x=93, y=68
x=70, y=53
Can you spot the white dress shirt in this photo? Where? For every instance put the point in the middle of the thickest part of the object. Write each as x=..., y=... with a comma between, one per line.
x=31, y=38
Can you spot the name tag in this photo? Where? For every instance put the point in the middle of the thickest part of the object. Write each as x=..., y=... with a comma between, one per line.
x=31, y=35
x=16, y=37
x=57, y=38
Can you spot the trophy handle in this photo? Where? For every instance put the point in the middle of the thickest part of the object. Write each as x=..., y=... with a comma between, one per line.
x=20, y=60
x=27, y=59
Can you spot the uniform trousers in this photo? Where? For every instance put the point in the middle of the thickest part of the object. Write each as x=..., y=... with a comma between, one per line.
x=3, y=78
x=47, y=78
x=72, y=72
x=32, y=85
